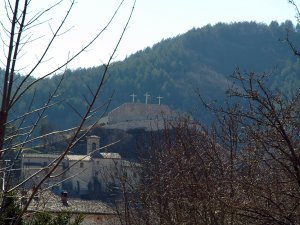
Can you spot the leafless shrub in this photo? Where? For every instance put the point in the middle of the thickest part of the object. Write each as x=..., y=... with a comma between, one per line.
x=14, y=136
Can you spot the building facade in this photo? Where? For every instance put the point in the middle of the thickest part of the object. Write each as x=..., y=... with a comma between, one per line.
x=79, y=174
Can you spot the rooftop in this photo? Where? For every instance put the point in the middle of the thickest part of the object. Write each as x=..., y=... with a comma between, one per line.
x=78, y=157
x=39, y=155
x=47, y=201
x=110, y=155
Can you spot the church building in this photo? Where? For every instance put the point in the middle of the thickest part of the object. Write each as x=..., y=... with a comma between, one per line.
x=78, y=173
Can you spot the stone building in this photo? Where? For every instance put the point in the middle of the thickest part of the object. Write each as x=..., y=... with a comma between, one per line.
x=32, y=163
x=78, y=174
x=137, y=112
x=139, y=115
x=93, y=212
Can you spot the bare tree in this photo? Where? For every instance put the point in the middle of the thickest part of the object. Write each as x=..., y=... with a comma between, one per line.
x=269, y=151
x=242, y=169
x=13, y=87
x=182, y=176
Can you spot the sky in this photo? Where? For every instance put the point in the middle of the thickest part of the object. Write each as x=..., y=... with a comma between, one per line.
x=152, y=21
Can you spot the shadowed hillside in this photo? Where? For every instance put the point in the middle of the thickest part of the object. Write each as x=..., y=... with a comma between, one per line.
x=177, y=68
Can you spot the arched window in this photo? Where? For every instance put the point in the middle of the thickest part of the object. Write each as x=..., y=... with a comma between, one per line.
x=94, y=146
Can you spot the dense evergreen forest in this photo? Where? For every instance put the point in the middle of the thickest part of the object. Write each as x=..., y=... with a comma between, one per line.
x=201, y=60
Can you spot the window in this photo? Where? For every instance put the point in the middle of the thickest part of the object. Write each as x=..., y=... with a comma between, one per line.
x=81, y=165
x=44, y=164
x=94, y=146
x=96, y=173
x=64, y=165
x=97, y=162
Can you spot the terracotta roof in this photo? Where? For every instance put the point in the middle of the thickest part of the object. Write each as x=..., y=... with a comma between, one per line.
x=110, y=155
x=78, y=157
x=39, y=155
x=93, y=136
x=50, y=202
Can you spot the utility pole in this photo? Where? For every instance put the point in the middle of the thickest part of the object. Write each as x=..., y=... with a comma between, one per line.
x=4, y=174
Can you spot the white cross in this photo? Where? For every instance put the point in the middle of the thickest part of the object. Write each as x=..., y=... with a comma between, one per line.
x=159, y=98
x=146, y=95
x=133, y=96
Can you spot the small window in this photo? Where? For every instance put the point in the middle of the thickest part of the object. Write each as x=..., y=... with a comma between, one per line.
x=97, y=162
x=94, y=146
x=96, y=173
x=81, y=165
x=44, y=164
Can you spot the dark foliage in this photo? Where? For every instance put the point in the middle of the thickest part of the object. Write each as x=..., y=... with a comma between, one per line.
x=202, y=58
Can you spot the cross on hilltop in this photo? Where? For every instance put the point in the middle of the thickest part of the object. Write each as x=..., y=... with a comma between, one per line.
x=159, y=98
x=133, y=97
x=146, y=95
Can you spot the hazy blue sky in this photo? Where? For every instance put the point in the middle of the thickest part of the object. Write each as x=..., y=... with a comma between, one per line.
x=152, y=21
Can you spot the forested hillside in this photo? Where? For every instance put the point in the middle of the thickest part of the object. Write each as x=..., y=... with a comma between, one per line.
x=177, y=68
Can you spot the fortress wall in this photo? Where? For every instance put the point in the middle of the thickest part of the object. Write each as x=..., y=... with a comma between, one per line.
x=138, y=111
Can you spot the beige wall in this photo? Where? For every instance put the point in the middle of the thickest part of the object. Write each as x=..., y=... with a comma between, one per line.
x=81, y=174
x=138, y=111
x=108, y=171
x=93, y=143
x=32, y=164
x=103, y=169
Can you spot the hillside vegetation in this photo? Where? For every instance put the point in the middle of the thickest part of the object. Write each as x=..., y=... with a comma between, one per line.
x=201, y=60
